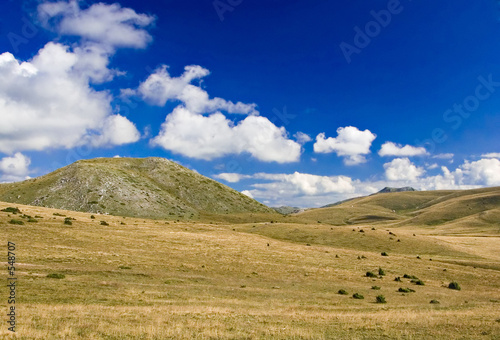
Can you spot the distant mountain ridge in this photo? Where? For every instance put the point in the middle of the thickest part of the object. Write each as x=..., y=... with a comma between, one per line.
x=146, y=187
x=286, y=210
x=390, y=189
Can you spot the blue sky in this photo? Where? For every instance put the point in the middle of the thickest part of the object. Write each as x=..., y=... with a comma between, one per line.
x=291, y=102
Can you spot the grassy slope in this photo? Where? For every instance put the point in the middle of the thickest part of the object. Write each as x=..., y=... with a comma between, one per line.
x=150, y=187
x=147, y=279
x=479, y=208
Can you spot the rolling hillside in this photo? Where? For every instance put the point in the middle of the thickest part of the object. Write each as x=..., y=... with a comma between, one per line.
x=111, y=277
x=478, y=208
x=148, y=187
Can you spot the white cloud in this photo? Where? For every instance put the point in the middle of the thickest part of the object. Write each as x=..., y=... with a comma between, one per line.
x=109, y=25
x=197, y=136
x=48, y=103
x=432, y=166
x=160, y=87
x=491, y=155
x=247, y=193
x=302, y=138
x=444, y=156
x=231, y=177
x=402, y=169
x=350, y=143
x=15, y=168
x=392, y=149
x=482, y=172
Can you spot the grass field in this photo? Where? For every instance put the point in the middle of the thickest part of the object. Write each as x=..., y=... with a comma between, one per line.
x=147, y=279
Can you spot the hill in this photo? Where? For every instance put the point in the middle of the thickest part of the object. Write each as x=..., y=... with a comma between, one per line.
x=148, y=187
x=478, y=208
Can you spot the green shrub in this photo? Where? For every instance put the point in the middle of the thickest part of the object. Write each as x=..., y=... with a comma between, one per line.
x=370, y=274
x=413, y=277
x=125, y=267
x=406, y=290
x=357, y=296
x=32, y=220
x=454, y=285
x=342, y=292
x=57, y=214
x=384, y=254
x=380, y=299
x=92, y=217
x=12, y=210
x=418, y=282
x=67, y=221
x=397, y=279
x=434, y=302
x=104, y=223
x=375, y=287
x=19, y=222
x=381, y=272
x=56, y=276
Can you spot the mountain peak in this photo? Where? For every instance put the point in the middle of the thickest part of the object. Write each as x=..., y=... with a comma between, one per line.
x=390, y=189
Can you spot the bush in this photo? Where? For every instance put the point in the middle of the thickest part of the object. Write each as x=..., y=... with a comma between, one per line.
x=454, y=285
x=19, y=222
x=406, y=290
x=413, y=277
x=397, y=279
x=125, y=267
x=381, y=272
x=357, y=296
x=434, y=302
x=342, y=292
x=370, y=274
x=32, y=220
x=57, y=214
x=56, y=276
x=67, y=221
x=384, y=254
x=104, y=223
x=380, y=299
x=418, y=282
x=12, y=210
x=92, y=217
x=375, y=287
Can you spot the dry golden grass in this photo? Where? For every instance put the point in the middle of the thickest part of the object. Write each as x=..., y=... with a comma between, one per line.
x=147, y=279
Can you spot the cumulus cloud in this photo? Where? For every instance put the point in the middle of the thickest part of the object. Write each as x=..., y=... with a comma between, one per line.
x=392, y=149
x=491, y=155
x=107, y=24
x=351, y=143
x=247, y=193
x=48, y=103
x=208, y=137
x=482, y=172
x=402, y=169
x=302, y=138
x=160, y=87
x=15, y=168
